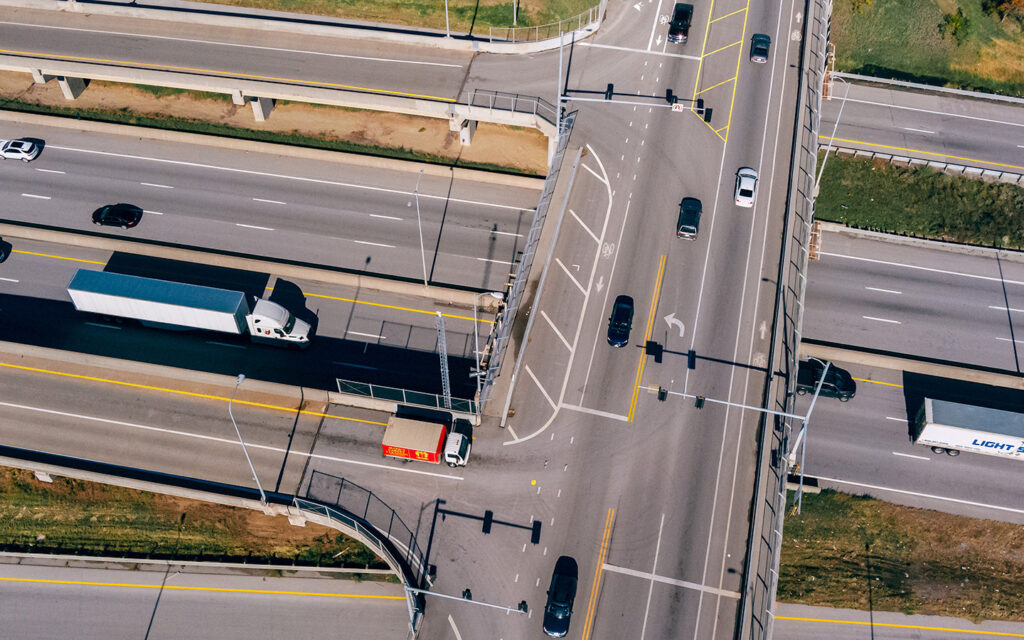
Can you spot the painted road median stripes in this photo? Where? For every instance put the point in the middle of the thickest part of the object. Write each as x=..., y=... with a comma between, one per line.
x=647, y=336
x=606, y=535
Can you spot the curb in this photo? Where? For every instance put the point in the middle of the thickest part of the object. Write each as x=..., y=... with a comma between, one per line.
x=1011, y=255
x=253, y=146
x=387, y=34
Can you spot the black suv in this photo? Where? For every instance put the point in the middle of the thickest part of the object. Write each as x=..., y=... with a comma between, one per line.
x=838, y=382
x=558, y=610
x=117, y=215
x=621, y=321
x=689, y=218
x=679, y=29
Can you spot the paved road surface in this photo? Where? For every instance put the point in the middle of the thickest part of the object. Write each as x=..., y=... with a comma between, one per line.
x=801, y=622
x=103, y=604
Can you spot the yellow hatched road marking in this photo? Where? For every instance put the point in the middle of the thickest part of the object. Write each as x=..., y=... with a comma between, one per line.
x=739, y=57
x=606, y=535
x=729, y=14
x=233, y=74
x=928, y=153
x=728, y=46
x=268, y=592
x=715, y=85
x=647, y=336
x=1004, y=634
x=193, y=394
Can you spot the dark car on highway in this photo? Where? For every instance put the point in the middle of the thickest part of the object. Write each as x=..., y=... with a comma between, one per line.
x=561, y=593
x=679, y=29
x=688, y=223
x=117, y=215
x=838, y=382
x=759, y=46
x=620, y=322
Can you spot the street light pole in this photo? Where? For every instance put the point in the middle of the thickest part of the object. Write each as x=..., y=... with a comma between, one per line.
x=800, y=436
x=419, y=222
x=817, y=181
x=447, y=30
x=497, y=295
x=263, y=496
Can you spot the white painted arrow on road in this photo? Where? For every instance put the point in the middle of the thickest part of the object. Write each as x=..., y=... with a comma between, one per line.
x=600, y=284
x=672, y=320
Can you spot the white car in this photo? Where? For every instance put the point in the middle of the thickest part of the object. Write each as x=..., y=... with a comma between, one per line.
x=746, y=186
x=23, y=150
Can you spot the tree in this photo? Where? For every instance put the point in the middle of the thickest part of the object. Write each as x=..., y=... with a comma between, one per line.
x=957, y=26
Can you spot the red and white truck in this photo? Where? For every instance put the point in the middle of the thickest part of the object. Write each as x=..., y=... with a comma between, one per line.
x=427, y=441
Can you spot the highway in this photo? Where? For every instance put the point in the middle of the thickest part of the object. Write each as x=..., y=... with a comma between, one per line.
x=952, y=303
x=104, y=603
x=336, y=213
x=363, y=336
x=801, y=622
x=932, y=125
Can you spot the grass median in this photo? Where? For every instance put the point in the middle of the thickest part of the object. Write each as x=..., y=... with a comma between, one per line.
x=901, y=39
x=860, y=553
x=71, y=516
x=874, y=194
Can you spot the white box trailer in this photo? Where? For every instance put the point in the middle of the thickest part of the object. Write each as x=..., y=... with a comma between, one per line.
x=950, y=427
x=175, y=305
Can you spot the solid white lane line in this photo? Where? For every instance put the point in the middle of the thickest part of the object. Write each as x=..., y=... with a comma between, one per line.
x=505, y=233
x=367, y=335
x=913, y=266
x=907, y=455
x=153, y=213
x=595, y=412
x=252, y=226
x=599, y=178
x=884, y=290
x=158, y=186
x=281, y=176
x=232, y=441
x=494, y=261
x=585, y=227
x=895, y=419
x=51, y=171
x=938, y=113
x=917, y=130
x=654, y=570
x=572, y=279
x=269, y=201
x=1008, y=340
x=651, y=53
x=882, y=320
x=10, y=280
x=224, y=344
x=32, y=195
x=673, y=581
x=455, y=629
x=921, y=495
x=374, y=244
x=101, y=326
x=1006, y=309
x=377, y=215
x=555, y=329
x=654, y=26
x=543, y=391
x=233, y=44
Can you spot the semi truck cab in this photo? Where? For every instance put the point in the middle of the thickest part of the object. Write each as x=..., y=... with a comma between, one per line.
x=271, y=320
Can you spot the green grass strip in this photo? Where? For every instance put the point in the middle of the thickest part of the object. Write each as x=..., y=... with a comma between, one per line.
x=192, y=125
x=874, y=194
x=860, y=553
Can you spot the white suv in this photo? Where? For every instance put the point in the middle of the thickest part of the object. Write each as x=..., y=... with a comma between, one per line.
x=23, y=150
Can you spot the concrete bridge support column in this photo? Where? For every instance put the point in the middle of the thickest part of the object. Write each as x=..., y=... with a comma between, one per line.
x=39, y=77
x=466, y=132
x=261, y=108
x=237, y=97
x=71, y=87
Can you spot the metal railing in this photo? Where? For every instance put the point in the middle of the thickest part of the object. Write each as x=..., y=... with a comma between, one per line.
x=504, y=101
x=589, y=18
x=404, y=396
x=951, y=168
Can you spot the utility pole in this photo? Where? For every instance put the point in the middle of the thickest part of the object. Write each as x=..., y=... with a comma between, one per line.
x=419, y=222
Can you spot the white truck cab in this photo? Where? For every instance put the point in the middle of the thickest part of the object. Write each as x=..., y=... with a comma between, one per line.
x=271, y=320
x=459, y=444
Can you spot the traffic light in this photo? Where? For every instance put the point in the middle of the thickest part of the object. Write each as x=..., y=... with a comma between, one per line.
x=609, y=92
x=669, y=98
x=699, y=402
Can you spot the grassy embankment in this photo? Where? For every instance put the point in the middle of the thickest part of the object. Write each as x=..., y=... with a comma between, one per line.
x=128, y=116
x=465, y=16
x=860, y=553
x=901, y=39
x=873, y=194
x=86, y=518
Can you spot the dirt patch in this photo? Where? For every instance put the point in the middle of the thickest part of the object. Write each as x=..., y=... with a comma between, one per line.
x=518, y=148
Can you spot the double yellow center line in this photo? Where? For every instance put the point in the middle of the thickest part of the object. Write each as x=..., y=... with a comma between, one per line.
x=647, y=336
x=606, y=536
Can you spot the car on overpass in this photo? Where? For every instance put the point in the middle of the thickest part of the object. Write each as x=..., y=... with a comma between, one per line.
x=838, y=382
x=117, y=215
x=760, y=44
x=746, y=187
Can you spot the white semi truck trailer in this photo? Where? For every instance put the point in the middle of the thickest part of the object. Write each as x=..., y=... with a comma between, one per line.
x=950, y=427
x=174, y=305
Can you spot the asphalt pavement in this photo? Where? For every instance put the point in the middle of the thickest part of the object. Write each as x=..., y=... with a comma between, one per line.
x=801, y=622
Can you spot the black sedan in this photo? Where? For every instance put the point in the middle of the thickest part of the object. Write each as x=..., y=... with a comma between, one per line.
x=117, y=215
x=558, y=610
x=620, y=322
